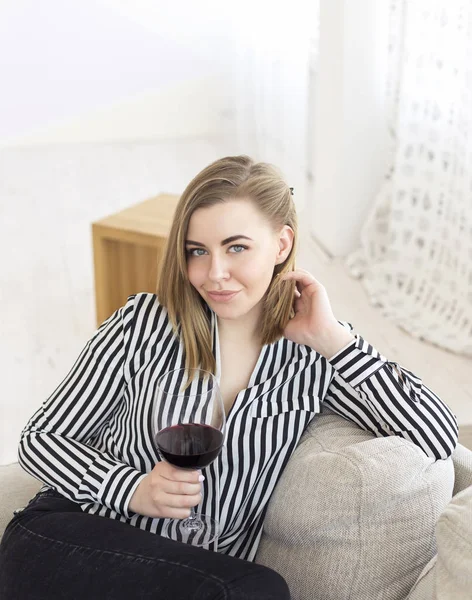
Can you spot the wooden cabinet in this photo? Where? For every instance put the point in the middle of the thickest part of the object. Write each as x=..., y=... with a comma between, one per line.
x=127, y=247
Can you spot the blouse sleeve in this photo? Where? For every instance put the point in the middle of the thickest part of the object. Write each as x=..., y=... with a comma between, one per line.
x=385, y=398
x=54, y=446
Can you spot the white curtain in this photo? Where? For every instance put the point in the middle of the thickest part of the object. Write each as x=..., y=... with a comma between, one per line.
x=274, y=50
x=416, y=247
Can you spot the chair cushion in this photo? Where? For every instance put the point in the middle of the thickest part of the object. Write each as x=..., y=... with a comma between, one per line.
x=16, y=488
x=462, y=468
x=353, y=515
x=454, y=540
x=425, y=586
x=449, y=575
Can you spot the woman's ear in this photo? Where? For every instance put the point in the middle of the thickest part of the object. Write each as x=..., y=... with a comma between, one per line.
x=285, y=243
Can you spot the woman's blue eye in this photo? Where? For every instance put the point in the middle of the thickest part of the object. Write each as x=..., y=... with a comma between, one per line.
x=241, y=248
x=194, y=251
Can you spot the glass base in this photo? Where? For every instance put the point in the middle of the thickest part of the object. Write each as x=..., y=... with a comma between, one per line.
x=198, y=531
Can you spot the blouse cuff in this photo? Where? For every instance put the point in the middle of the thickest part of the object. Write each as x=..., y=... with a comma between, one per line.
x=357, y=361
x=113, y=484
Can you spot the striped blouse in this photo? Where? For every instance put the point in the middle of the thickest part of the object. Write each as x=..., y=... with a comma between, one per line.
x=91, y=439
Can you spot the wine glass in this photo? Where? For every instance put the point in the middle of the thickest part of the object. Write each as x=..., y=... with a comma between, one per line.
x=189, y=428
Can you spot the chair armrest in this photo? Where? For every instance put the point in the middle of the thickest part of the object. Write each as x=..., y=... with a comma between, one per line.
x=462, y=458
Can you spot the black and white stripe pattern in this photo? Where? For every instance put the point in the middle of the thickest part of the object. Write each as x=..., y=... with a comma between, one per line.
x=385, y=398
x=92, y=439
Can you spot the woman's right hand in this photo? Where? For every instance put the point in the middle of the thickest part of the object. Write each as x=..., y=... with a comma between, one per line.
x=167, y=492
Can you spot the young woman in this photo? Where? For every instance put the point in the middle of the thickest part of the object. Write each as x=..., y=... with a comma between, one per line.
x=229, y=301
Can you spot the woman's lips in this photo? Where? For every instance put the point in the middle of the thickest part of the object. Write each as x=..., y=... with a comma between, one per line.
x=222, y=297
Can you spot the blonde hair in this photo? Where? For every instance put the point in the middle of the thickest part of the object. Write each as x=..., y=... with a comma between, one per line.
x=229, y=178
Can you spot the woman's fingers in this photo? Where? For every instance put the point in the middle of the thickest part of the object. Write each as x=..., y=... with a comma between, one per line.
x=164, y=497
x=172, y=473
x=180, y=488
x=302, y=279
x=175, y=501
x=178, y=493
x=174, y=490
x=300, y=276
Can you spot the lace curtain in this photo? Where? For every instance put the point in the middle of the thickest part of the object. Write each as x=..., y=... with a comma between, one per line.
x=415, y=258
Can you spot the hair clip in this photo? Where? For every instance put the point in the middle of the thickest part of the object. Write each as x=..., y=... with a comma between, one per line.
x=291, y=191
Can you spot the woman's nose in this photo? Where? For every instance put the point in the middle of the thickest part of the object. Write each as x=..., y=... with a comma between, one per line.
x=218, y=269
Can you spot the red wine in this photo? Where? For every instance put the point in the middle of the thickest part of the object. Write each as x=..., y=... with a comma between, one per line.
x=189, y=445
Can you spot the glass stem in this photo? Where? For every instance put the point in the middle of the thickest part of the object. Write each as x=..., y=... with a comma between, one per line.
x=192, y=522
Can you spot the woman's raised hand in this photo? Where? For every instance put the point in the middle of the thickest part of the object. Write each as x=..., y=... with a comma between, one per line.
x=167, y=492
x=314, y=323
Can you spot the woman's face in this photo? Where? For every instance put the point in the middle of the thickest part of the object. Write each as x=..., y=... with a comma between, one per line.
x=232, y=249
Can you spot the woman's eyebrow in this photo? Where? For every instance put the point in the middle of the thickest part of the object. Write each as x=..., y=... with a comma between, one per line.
x=233, y=238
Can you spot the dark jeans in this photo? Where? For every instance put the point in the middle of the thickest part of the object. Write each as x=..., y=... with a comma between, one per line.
x=52, y=550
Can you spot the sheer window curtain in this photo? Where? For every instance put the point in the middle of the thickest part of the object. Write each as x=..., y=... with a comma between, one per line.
x=415, y=258
x=274, y=53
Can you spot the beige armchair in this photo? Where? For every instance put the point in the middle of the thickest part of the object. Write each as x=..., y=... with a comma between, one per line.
x=353, y=516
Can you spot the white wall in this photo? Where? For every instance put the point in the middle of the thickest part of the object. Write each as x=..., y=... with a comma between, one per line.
x=350, y=128
x=88, y=71
x=196, y=107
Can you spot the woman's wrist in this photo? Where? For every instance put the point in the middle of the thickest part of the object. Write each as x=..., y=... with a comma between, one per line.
x=330, y=342
x=135, y=503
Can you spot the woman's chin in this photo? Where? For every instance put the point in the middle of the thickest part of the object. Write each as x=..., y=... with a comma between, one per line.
x=228, y=312
x=234, y=313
